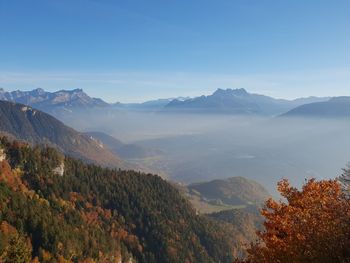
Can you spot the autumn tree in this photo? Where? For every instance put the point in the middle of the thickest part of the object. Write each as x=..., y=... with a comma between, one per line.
x=311, y=225
x=17, y=251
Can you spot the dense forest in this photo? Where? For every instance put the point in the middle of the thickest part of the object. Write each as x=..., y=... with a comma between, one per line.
x=54, y=208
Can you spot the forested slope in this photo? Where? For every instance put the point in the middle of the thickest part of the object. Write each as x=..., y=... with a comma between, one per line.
x=66, y=209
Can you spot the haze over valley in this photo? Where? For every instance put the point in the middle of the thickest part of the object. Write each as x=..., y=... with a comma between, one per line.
x=232, y=136
x=204, y=147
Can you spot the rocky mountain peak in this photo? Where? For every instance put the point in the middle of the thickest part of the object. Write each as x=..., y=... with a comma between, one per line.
x=228, y=92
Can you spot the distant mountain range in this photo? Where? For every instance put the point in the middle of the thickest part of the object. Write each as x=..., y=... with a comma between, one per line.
x=31, y=125
x=229, y=101
x=237, y=101
x=62, y=100
x=337, y=107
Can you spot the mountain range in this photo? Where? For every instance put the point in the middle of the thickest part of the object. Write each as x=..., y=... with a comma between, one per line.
x=66, y=100
x=224, y=101
x=238, y=101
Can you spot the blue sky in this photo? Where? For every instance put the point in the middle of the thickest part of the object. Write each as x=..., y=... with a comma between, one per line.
x=139, y=50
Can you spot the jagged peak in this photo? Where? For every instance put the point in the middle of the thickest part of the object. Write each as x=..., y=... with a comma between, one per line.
x=78, y=90
x=39, y=91
x=70, y=91
x=237, y=92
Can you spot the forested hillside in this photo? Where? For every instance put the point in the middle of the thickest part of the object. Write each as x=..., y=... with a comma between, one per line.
x=231, y=191
x=55, y=207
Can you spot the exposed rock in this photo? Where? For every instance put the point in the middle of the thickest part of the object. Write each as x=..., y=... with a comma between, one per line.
x=2, y=155
x=59, y=170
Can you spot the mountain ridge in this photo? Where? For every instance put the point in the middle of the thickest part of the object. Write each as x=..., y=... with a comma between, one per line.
x=237, y=101
x=225, y=101
x=52, y=101
x=34, y=126
x=334, y=107
x=89, y=212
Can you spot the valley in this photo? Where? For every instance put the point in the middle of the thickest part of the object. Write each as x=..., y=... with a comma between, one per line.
x=206, y=147
x=174, y=131
x=190, y=147
x=214, y=173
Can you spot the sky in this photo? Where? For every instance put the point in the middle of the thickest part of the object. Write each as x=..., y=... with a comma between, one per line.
x=138, y=50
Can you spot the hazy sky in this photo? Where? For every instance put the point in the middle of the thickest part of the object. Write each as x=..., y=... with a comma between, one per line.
x=137, y=50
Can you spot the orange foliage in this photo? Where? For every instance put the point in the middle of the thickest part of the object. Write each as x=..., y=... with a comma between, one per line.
x=12, y=177
x=122, y=234
x=7, y=175
x=91, y=217
x=107, y=213
x=88, y=205
x=312, y=226
x=61, y=259
x=88, y=260
x=7, y=229
x=172, y=252
x=46, y=256
x=35, y=260
x=74, y=197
